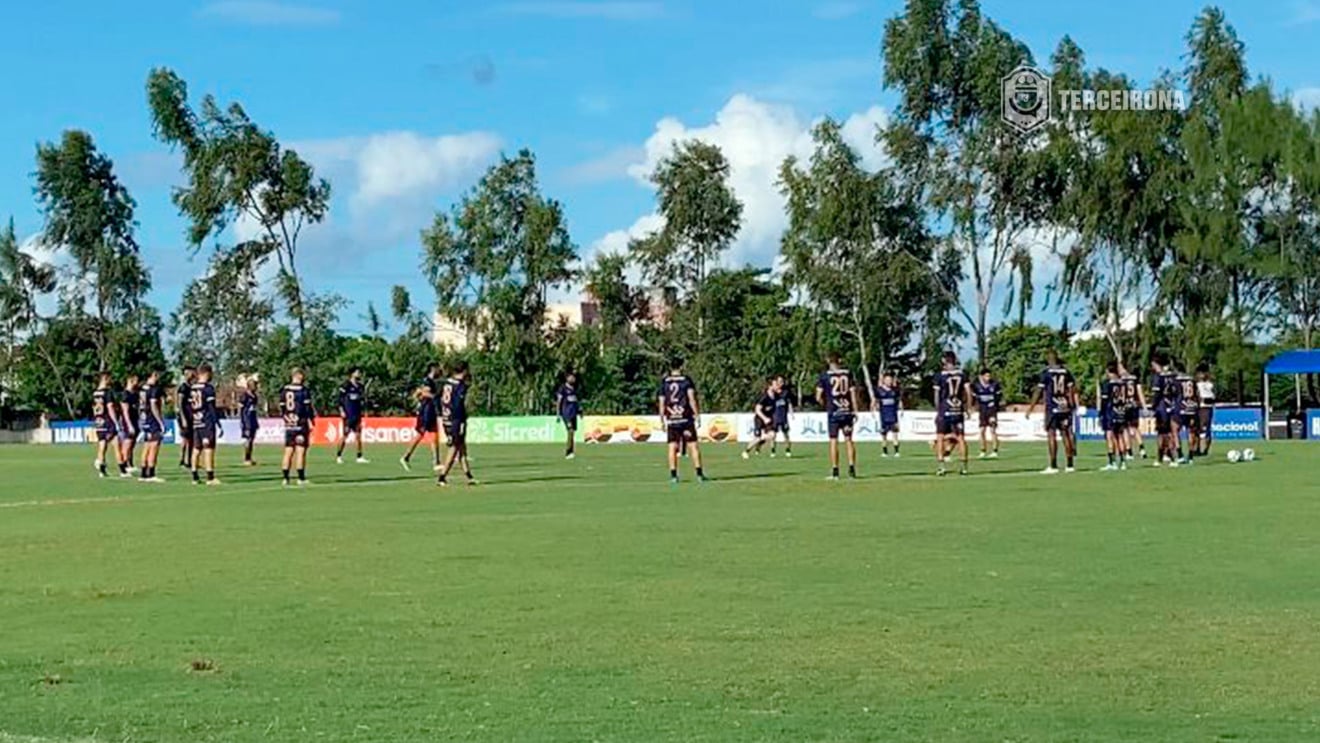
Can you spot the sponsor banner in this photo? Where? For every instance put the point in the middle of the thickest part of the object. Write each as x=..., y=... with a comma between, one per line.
x=269, y=431
x=84, y=432
x=625, y=429
x=545, y=429
x=1313, y=425
x=1238, y=423
x=913, y=425
x=330, y=430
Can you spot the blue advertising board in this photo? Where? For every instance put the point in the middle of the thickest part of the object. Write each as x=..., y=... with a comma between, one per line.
x=1313, y=425
x=84, y=432
x=1229, y=423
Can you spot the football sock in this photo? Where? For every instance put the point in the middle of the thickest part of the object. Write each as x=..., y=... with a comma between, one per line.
x=834, y=472
x=197, y=476
x=210, y=475
x=286, y=475
x=302, y=475
x=701, y=473
x=101, y=467
x=673, y=474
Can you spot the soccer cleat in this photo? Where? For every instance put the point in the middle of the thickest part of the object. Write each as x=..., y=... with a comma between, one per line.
x=962, y=472
x=250, y=463
x=673, y=482
x=994, y=455
x=746, y=455
x=156, y=480
x=339, y=460
x=773, y=455
x=125, y=475
x=1070, y=469
x=1123, y=465
x=982, y=455
x=897, y=455
x=1050, y=471
x=832, y=478
x=96, y=464
x=212, y=483
x=1174, y=464
x=788, y=455
x=304, y=483
x=570, y=456
x=403, y=462
x=363, y=460
x=941, y=472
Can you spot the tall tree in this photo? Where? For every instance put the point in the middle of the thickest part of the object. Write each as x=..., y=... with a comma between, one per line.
x=858, y=246
x=89, y=216
x=947, y=62
x=619, y=304
x=702, y=216
x=22, y=280
x=493, y=262
x=222, y=317
x=239, y=173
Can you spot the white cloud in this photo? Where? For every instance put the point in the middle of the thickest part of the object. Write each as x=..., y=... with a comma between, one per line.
x=756, y=137
x=612, y=11
x=610, y=166
x=1307, y=99
x=836, y=11
x=269, y=13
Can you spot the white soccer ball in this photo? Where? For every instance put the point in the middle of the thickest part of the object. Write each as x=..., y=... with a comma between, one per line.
x=1234, y=456
x=1248, y=455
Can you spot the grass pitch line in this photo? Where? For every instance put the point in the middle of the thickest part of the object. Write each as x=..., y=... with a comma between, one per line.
x=8, y=738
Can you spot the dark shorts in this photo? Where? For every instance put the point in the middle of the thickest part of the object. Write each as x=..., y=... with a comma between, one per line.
x=426, y=422
x=989, y=419
x=456, y=433
x=1163, y=424
x=1190, y=422
x=842, y=425
x=295, y=439
x=888, y=427
x=107, y=434
x=1132, y=417
x=203, y=437
x=950, y=425
x=1206, y=418
x=152, y=434
x=353, y=425
x=760, y=428
x=1061, y=422
x=185, y=431
x=781, y=426
x=1112, y=423
x=250, y=428
x=681, y=433
x=570, y=423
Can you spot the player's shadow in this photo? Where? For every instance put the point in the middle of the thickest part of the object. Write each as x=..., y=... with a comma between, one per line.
x=533, y=480
x=753, y=476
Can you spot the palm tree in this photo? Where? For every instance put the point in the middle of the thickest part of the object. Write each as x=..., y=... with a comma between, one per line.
x=22, y=279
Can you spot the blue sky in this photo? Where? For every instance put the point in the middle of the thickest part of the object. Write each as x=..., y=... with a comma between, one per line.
x=403, y=104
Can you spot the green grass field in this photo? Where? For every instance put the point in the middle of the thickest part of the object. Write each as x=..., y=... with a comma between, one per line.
x=589, y=601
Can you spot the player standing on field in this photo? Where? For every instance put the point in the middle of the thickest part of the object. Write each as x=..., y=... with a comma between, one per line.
x=183, y=411
x=130, y=413
x=1205, y=395
x=569, y=410
x=453, y=417
x=1059, y=388
x=1134, y=402
x=679, y=413
x=1189, y=416
x=105, y=412
x=836, y=393
x=886, y=400
x=952, y=399
x=247, y=419
x=1113, y=408
x=205, y=425
x=151, y=403
x=298, y=413
x=763, y=420
x=1165, y=392
x=783, y=416
x=427, y=419
x=989, y=396
x=352, y=404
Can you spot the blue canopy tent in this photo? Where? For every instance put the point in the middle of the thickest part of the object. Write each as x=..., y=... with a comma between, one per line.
x=1289, y=362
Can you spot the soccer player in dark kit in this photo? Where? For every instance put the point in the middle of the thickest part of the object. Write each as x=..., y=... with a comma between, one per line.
x=452, y=406
x=989, y=396
x=887, y=401
x=1059, y=388
x=1189, y=416
x=782, y=418
x=952, y=400
x=183, y=411
x=1165, y=393
x=1134, y=402
x=247, y=419
x=428, y=420
x=836, y=393
x=763, y=420
x=352, y=404
x=105, y=418
x=298, y=413
x=130, y=408
x=205, y=425
x=570, y=411
x=151, y=404
x=1113, y=413
x=679, y=413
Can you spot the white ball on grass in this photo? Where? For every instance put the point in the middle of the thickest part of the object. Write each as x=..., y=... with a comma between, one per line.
x=1234, y=456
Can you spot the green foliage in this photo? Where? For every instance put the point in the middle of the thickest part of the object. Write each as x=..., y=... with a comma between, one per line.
x=57, y=370
x=222, y=317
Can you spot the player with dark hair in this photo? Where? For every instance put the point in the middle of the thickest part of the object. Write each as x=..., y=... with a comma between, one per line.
x=298, y=414
x=352, y=404
x=247, y=418
x=130, y=408
x=428, y=421
x=570, y=411
x=105, y=418
x=183, y=413
x=763, y=419
x=1059, y=388
x=452, y=404
x=1166, y=394
x=952, y=400
x=1113, y=409
x=151, y=407
x=205, y=425
x=1189, y=416
x=989, y=396
x=887, y=402
x=676, y=400
x=1205, y=396
x=782, y=417
x=837, y=394
x=1134, y=399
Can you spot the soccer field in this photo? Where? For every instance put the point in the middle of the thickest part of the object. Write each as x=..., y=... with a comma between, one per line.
x=590, y=601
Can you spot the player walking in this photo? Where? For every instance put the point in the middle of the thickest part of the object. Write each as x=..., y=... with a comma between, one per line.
x=352, y=403
x=205, y=425
x=299, y=414
x=676, y=400
x=428, y=421
x=989, y=396
x=763, y=420
x=886, y=401
x=1059, y=388
x=952, y=399
x=151, y=405
x=837, y=394
x=570, y=411
x=452, y=403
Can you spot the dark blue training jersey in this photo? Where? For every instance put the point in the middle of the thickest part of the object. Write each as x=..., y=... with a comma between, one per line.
x=887, y=399
x=950, y=393
x=1057, y=385
x=836, y=385
x=453, y=400
x=675, y=400
x=296, y=408
x=352, y=400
